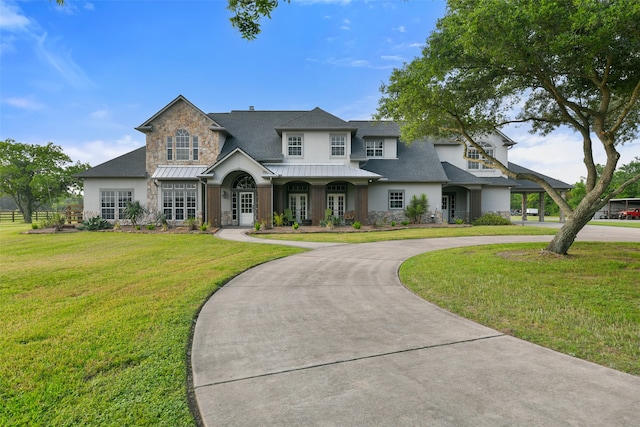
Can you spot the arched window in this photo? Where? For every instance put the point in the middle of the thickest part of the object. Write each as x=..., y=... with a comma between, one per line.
x=244, y=182
x=182, y=146
x=473, y=155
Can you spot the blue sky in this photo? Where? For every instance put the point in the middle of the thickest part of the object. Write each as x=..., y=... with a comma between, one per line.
x=84, y=75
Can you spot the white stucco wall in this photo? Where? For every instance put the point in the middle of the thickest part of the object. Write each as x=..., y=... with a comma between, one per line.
x=93, y=186
x=496, y=200
x=379, y=194
x=316, y=147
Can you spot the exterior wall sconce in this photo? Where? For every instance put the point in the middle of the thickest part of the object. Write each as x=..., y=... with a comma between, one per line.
x=225, y=194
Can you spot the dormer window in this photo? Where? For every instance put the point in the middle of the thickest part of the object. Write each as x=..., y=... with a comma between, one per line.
x=375, y=149
x=294, y=146
x=338, y=145
x=182, y=146
x=474, y=156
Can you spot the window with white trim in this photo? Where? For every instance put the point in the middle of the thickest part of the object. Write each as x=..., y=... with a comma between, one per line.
x=396, y=199
x=294, y=146
x=179, y=200
x=374, y=149
x=113, y=202
x=338, y=145
x=182, y=146
x=474, y=156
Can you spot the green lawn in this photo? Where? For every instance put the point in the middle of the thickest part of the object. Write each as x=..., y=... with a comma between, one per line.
x=400, y=233
x=586, y=304
x=94, y=327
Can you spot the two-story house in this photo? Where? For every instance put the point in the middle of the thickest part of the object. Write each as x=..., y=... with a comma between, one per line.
x=240, y=167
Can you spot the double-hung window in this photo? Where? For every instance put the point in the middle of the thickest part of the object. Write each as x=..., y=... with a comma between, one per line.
x=474, y=157
x=374, y=149
x=338, y=145
x=294, y=146
x=182, y=146
x=396, y=199
x=179, y=200
x=113, y=202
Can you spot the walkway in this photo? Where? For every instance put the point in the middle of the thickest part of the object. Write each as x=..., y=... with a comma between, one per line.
x=330, y=337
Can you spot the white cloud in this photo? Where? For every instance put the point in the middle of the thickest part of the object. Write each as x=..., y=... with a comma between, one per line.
x=11, y=18
x=560, y=155
x=100, y=114
x=392, y=58
x=15, y=25
x=99, y=151
x=401, y=29
x=89, y=6
x=27, y=103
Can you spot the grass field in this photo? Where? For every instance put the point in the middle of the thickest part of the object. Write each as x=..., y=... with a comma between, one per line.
x=94, y=327
x=401, y=233
x=586, y=304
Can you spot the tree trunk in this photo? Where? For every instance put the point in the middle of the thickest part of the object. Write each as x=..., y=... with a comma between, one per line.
x=565, y=237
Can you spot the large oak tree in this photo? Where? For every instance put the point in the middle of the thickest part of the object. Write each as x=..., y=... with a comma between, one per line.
x=551, y=64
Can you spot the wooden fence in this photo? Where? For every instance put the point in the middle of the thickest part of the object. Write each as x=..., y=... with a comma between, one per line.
x=71, y=215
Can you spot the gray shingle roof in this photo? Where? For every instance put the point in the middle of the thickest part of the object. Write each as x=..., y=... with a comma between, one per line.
x=373, y=129
x=416, y=162
x=524, y=185
x=457, y=176
x=315, y=119
x=254, y=132
x=129, y=165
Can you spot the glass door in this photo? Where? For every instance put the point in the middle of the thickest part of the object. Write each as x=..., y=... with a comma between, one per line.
x=336, y=202
x=298, y=206
x=246, y=209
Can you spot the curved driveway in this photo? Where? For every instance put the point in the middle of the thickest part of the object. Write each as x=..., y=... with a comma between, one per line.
x=330, y=337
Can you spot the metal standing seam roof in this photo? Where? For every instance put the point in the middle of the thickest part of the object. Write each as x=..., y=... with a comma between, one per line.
x=190, y=172
x=293, y=170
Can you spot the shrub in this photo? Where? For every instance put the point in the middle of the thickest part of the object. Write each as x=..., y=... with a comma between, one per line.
x=405, y=222
x=491, y=219
x=417, y=207
x=393, y=223
x=295, y=225
x=278, y=219
x=191, y=224
x=151, y=226
x=95, y=223
x=204, y=226
x=134, y=211
x=34, y=225
x=257, y=226
x=356, y=225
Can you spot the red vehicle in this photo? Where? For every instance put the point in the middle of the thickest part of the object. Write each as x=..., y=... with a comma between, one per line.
x=630, y=214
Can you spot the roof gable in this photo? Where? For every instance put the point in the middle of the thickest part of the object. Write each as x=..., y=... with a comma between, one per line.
x=148, y=124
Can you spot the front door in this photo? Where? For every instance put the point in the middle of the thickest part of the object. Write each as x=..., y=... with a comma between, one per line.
x=445, y=208
x=246, y=209
x=298, y=206
x=336, y=203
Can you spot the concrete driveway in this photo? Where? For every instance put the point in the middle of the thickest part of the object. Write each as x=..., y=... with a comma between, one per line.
x=330, y=337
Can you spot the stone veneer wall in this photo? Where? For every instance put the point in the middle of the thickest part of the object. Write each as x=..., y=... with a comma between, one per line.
x=385, y=217
x=179, y=116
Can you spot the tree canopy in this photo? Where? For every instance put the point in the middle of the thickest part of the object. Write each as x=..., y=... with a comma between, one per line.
x=550, y=64
x=34, y=175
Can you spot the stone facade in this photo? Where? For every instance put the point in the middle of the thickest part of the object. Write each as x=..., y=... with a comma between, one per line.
x=180, y=115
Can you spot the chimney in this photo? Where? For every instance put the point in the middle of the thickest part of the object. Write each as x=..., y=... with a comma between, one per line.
x=251, y=108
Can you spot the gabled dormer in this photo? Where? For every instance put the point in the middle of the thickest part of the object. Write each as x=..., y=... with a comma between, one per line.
x=376, y=140
x=316, y=137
